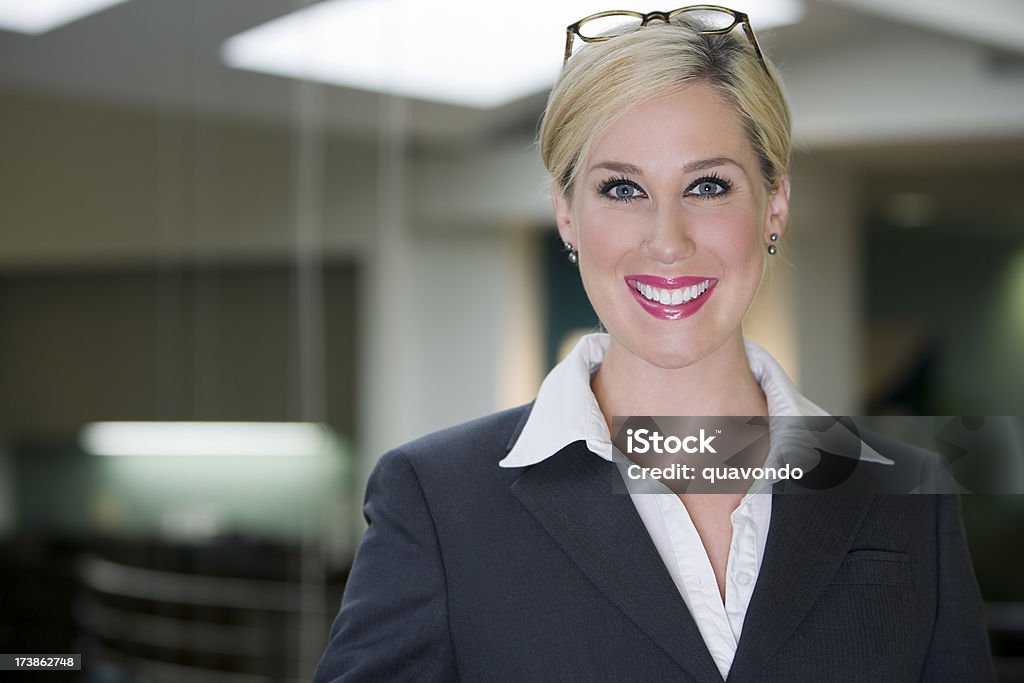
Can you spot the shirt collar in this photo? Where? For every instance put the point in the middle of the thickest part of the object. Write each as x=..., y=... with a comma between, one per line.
x=565, y=409
x=559, y=417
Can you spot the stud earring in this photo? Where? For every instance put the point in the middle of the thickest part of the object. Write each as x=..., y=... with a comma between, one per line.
x=772, y=249
x=572, y=256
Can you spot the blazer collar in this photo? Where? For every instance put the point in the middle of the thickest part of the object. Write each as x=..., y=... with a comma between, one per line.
x=572, y=497
x=808, y=539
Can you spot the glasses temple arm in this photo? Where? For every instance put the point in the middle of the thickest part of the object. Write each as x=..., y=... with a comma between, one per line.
x=753, y=41
x=568, y=44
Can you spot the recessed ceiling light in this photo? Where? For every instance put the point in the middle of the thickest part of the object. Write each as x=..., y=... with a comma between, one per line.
x=39, y=16
x=474, y=54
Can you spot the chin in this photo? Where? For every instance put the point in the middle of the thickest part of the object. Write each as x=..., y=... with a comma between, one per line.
x=675, y=354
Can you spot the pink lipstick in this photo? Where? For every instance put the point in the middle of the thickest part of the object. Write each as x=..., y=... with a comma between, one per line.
x=671, y=298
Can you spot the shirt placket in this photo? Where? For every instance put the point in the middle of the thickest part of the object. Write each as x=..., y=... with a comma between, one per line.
x=699, y=578
x=742, y=567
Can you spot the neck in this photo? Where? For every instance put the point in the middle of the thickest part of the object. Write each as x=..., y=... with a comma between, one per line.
x=719, y=384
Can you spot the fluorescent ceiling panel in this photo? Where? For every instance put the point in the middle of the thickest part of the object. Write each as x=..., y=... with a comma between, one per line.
x=207, y=438
x=39, y=16
x=474, y=54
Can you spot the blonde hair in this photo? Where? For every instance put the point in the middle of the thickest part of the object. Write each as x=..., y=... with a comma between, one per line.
x=602, y=80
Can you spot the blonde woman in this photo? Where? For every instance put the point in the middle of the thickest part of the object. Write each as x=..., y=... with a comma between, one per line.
x=497, y=551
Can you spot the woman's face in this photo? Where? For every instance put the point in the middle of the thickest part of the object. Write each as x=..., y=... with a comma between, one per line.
x=671, y=219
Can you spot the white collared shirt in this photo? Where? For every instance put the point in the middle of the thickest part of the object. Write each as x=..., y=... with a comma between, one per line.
x=567, y=411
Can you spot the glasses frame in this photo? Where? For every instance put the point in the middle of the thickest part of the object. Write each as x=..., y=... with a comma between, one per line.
x=572, y=31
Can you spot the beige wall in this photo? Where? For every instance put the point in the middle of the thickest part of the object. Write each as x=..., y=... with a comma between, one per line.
x=89, y=184
x=116, y=222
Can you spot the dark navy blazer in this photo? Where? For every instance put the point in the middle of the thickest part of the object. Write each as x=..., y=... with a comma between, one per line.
x=473, y=572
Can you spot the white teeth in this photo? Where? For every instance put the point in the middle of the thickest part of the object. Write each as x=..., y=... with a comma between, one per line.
x=672, y=297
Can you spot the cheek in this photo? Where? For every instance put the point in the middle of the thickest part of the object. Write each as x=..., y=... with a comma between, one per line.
x=605, y=237
x=735, y=239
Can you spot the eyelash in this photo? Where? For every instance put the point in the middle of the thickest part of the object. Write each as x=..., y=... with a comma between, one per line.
x=607, y=185
x=711, y=178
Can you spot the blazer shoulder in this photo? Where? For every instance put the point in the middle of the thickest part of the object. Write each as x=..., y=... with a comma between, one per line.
x=914, y=470
x=483, y=440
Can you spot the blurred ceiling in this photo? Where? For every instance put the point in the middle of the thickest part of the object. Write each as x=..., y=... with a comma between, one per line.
x=859, y=72
x=924, y=99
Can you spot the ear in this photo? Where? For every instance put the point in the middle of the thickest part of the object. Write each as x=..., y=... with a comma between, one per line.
x=563, y=216
x=778, y=210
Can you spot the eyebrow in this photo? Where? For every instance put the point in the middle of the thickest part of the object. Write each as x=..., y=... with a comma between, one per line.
x=704, y=164
x=689, y=167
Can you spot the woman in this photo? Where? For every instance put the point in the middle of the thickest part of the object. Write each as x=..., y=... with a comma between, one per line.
x=497, y=551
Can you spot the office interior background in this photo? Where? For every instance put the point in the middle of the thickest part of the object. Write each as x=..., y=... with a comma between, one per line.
x=184, y=238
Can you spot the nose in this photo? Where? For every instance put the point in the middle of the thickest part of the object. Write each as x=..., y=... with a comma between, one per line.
x=670, y=236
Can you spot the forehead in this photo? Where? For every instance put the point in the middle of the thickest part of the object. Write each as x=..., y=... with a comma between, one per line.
x=692, y=122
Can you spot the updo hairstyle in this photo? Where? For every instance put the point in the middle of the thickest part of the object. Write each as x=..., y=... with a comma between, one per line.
x=604, y=79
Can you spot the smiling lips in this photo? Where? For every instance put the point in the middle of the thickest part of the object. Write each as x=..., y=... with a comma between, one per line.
x=671, y=298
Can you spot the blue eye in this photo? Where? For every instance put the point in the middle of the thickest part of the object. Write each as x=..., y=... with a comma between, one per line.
x=708, y=187
x=621, y=190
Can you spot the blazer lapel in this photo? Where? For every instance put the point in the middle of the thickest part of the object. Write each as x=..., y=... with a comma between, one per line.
x=571, y=495
x=809, y=536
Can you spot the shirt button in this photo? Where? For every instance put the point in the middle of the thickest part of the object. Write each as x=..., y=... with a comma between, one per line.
x=743, y=578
